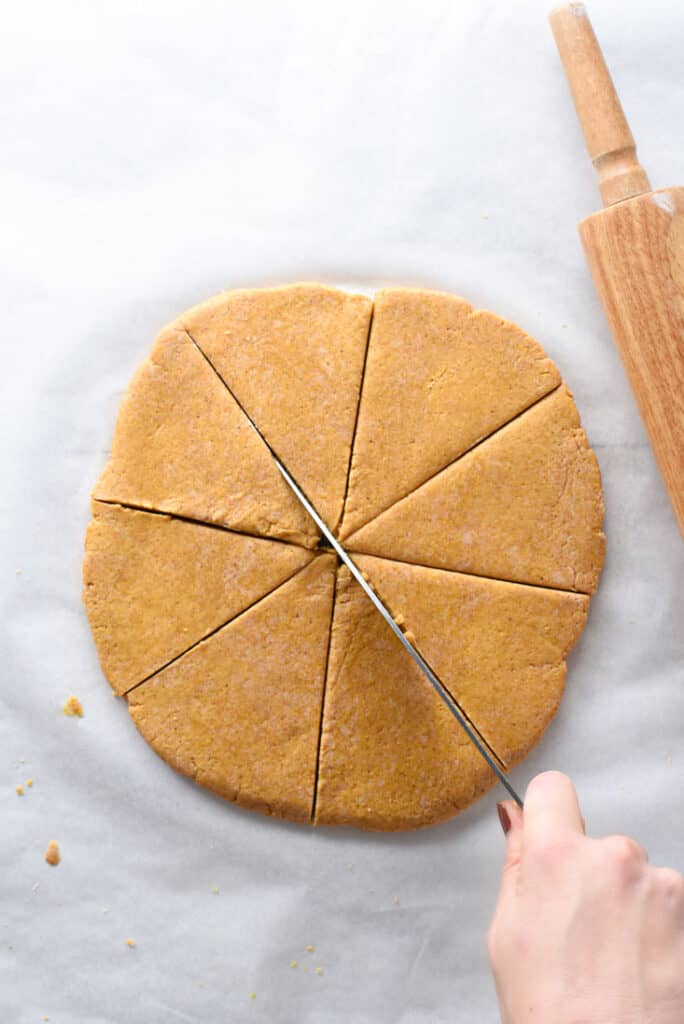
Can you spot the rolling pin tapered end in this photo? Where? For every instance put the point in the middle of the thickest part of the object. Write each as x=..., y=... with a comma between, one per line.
x=609, y=141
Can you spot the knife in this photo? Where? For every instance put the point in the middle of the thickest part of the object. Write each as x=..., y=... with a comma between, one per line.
x=435, y=682
x=433, y=679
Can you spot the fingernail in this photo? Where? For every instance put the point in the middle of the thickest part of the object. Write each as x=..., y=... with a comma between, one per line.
x=504, y=818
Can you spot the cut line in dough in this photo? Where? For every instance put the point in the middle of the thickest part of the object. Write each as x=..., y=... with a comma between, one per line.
x=440, y=376
x=239, y=713
x=337, y=528
x=292, y=357
x=525, y=505
x=392, y=756
x=154, y=585
x=499, y=648
x=323, y=694
x=205, y=524
x=183, y=446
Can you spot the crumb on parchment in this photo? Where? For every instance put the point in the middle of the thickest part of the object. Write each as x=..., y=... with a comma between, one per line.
x=73, y=707
x=252, y=995
x=29, y=783
x=214, y=889
x=293, y=963
x=319, y=970
x=310, y=949
x=52, y=854
x=131, y=943
x=20, y=790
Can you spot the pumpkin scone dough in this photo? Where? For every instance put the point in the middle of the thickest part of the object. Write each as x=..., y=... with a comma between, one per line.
x=439, y=377
x=255, y=665
x=392, y=757
x=499, y=648
x=154, y=585
x=525, y=505
x=183, y=445
x=240, y=712
x=293, y=358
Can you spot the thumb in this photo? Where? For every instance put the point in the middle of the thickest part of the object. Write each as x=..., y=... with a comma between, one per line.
x=511, y=818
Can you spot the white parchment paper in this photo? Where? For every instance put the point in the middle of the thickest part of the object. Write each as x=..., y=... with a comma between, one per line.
x=155, y=153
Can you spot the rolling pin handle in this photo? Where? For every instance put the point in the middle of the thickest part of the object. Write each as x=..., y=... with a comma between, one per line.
x=609, y=141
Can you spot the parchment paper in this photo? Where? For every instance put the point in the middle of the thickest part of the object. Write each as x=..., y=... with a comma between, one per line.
x=153, y=154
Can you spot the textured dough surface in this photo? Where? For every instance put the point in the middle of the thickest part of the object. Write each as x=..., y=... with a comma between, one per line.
x=525, y=505
x=293, y=358
x=240, y=712
x=154, y=585
x=439, y=377
x=499, y=648
x=469, y=460
x=392, y=756
x=183, y=445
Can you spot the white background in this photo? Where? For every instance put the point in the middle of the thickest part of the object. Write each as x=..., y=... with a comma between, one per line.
x=155, y=153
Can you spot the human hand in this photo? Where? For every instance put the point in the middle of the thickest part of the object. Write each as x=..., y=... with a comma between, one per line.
x=585, y=931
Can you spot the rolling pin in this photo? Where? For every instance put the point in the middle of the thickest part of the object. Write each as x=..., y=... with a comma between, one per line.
x=635, y=250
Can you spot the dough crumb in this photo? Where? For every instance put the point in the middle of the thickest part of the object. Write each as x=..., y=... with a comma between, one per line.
x=399, y=619
x=252, y=995
x=310, y=949
x=29, y=783
x=293, y=963
x=20, y=790
x=131, y=943
x=395, y=899
x=73, y=707
x=319, y=970
x=411, y=637
x=52, y=854
x=214, y=889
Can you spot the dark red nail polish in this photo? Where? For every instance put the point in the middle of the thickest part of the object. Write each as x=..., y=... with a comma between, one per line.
x=504, y=818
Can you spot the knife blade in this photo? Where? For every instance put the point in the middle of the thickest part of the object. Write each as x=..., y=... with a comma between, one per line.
x=432, y=678
x=436, y=683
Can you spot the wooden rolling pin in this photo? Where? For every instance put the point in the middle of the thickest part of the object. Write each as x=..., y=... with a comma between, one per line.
x=635, y=250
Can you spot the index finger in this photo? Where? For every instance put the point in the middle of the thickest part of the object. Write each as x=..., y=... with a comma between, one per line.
x=551, y=805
